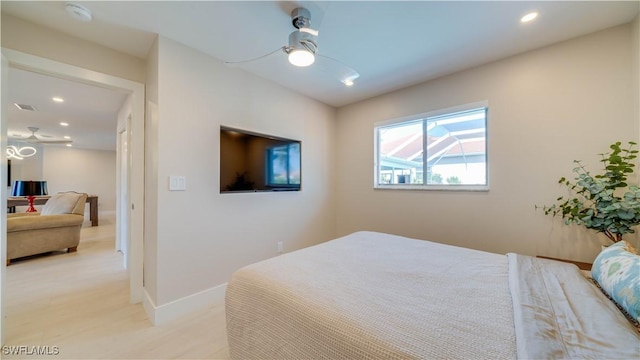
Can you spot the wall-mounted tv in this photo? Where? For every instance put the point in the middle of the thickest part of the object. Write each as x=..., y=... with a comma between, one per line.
x=253, y=162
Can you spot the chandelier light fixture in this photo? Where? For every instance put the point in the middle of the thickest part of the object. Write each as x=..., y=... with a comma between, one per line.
x=14, y=152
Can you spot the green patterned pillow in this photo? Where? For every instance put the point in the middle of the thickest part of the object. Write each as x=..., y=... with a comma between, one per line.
x=617, y=271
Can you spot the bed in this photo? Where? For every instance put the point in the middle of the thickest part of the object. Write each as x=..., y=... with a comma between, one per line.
x=379, y=296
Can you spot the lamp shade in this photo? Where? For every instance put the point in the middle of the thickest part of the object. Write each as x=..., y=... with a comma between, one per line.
x=29, y=188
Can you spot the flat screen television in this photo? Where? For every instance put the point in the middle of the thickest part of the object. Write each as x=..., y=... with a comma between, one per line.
x=253, y=162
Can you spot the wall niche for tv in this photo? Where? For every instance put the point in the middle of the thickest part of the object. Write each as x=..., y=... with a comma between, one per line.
x=254, y=162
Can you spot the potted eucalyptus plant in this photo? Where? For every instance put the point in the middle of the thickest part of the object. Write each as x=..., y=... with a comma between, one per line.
x=603, y=202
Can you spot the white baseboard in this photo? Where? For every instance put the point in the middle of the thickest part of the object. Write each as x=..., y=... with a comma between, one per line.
x=174, y=309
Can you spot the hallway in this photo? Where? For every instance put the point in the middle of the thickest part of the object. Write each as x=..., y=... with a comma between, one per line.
x=77, y=305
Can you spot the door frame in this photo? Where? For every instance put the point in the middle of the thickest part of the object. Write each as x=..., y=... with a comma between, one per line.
x=4, y=69
x=136, y=90
x=123, y=208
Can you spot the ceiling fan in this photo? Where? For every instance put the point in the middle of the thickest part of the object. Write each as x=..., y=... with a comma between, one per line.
x=33, y=139
x=302, y=49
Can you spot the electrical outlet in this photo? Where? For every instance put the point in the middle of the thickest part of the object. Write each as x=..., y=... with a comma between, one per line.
x=280, y=247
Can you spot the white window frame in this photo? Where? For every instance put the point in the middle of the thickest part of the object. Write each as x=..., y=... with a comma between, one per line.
x=269, y=161
x=440, y=187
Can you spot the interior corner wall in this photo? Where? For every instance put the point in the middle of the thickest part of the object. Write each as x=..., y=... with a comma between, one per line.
x=635, y=65
x=204, y=236
x=150, y=263
x=82, y=170
x=547, y=107
x=30, y=38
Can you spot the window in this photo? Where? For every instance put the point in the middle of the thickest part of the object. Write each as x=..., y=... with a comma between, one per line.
x=283, y=164
x=446, y=149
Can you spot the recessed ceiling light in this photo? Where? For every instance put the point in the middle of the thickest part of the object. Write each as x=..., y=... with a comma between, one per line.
x=69, y=145
x=57, y=99
x=64, y=124
x=530, y=16
x=67, y=137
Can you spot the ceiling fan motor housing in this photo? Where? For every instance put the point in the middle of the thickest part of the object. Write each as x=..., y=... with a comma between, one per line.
x=306, y=41
x=301, y=18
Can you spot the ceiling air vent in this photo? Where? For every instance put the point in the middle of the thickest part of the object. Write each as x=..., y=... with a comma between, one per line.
x=25, y=107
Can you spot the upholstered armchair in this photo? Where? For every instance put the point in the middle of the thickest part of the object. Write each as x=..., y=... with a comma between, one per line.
x=56, y=227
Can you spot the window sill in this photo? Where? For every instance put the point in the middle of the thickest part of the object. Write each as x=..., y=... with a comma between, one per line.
x=484, y=188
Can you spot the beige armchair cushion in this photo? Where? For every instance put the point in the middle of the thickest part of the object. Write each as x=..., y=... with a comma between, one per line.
x=30, y=222
x=65, y=203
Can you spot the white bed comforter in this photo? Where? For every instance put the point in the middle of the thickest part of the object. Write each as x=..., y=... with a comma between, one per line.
x=559, y=314
x=377, y=296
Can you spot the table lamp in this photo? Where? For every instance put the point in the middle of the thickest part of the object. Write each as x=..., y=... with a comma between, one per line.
x=30, y=189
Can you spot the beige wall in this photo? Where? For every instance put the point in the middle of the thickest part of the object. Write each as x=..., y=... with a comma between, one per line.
x=151, y=145
x=635, y=64
x=34, y=39
x=82, y=170
x=29, y=168
x=202, y=236
x=546, y=108
x=30, y=38
x=64, y=169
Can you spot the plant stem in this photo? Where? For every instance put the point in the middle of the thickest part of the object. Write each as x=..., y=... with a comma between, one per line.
x=609, y=235
x=614, y=238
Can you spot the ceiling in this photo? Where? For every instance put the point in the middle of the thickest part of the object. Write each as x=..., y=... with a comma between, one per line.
x=90, y=111
x=392, y=44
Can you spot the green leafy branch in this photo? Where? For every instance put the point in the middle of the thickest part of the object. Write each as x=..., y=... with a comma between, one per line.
x=595, y=201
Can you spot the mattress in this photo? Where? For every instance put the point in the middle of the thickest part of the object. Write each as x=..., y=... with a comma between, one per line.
x=374, y=295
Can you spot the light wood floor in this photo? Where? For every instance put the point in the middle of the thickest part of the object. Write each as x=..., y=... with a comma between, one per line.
x=79, y=303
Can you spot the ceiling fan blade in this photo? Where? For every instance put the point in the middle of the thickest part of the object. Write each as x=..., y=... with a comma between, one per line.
x=342, y=71
x=53, y=142
x=282, y=48
x=33, y=139
x=38, y=141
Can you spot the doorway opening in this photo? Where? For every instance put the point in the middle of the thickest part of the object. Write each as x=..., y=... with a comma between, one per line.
x=134, y=186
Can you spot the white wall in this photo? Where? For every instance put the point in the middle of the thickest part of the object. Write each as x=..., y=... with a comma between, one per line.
x=34, y=39
x=151, y=145
x=29, y=168
x=546, y=108
x=202, y=236
x=635, y=65
x=37, y=40
x=82, y=170
x=65, y=169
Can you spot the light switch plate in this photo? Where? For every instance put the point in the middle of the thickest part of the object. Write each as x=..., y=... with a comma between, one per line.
x=177, y=183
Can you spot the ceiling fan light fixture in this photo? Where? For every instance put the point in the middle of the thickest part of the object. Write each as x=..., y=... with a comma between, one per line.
x=302, y=49
x=301, y=58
